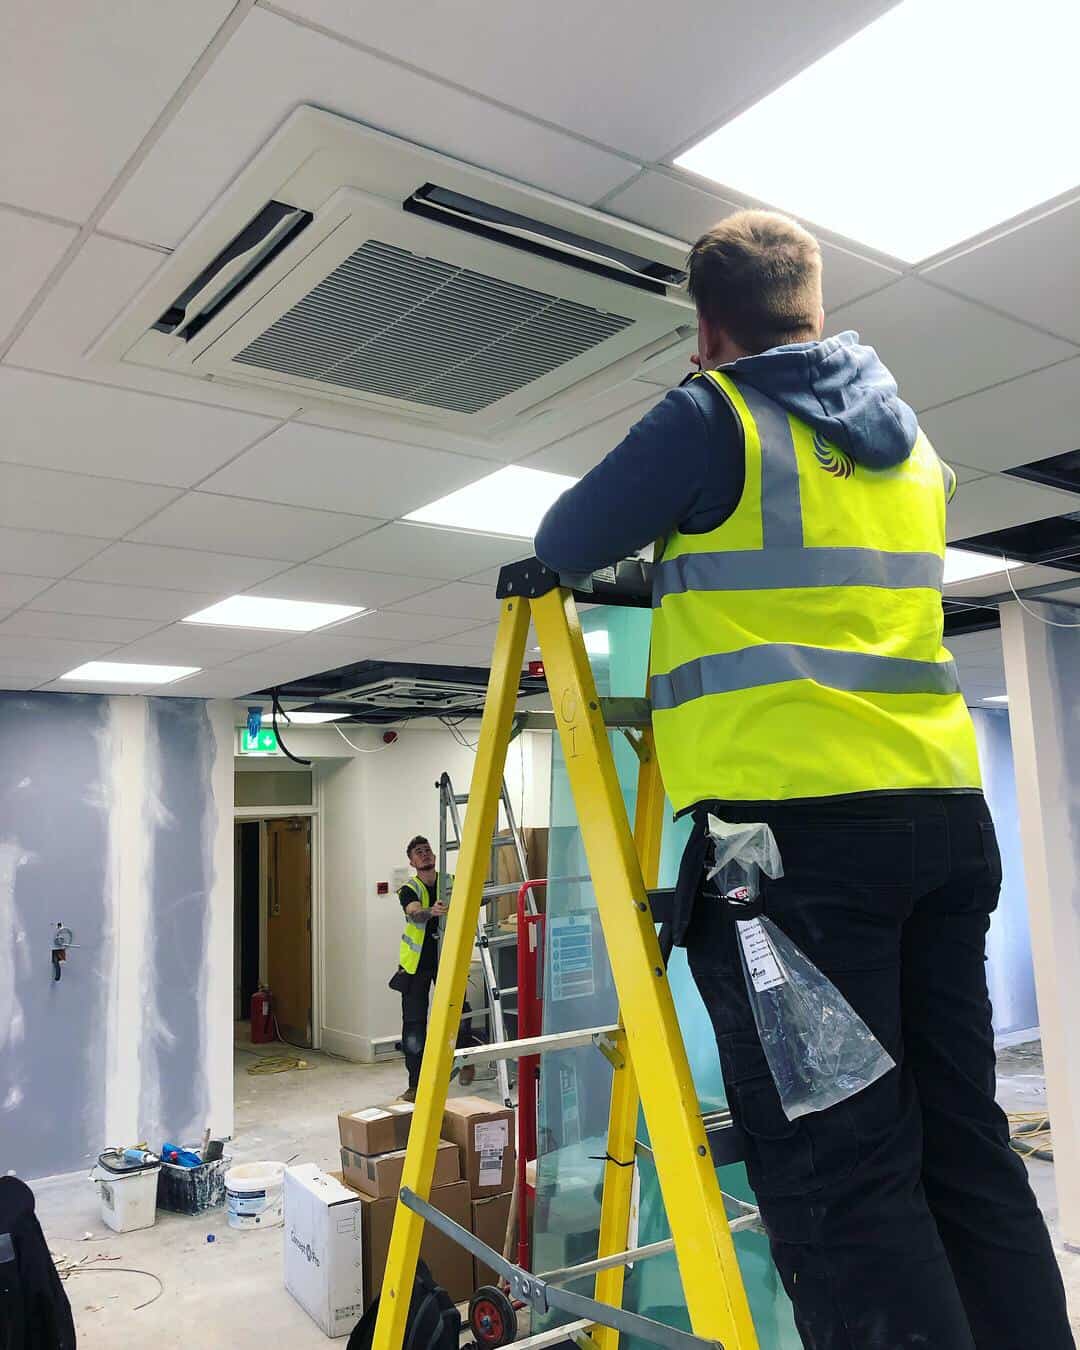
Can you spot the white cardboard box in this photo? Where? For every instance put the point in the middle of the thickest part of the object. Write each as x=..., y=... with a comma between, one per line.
x=323, y=1269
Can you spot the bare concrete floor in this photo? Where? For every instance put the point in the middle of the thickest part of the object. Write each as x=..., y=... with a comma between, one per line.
x=229, y=1295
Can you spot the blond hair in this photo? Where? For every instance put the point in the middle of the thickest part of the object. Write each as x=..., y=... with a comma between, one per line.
x=757, y=276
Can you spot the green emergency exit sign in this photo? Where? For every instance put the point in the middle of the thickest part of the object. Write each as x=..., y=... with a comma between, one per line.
x=265, y=743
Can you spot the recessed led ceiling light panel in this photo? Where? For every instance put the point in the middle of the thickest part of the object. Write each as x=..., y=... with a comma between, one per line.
x=260, y=611
x=510, y=502
x=127, y=672
x=962, y=564
x=937, y=122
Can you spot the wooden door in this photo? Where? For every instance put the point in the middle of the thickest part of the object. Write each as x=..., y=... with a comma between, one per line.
x=288, y=864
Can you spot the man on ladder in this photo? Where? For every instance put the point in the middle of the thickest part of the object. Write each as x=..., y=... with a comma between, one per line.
x=798, y=678
x=418, y=960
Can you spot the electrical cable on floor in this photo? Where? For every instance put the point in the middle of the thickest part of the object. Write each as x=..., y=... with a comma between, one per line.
x=277, y=1064
x=1029, y=1134
x=66, y=1267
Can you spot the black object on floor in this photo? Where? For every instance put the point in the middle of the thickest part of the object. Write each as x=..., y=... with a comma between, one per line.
x=434, y=1322
x=34, y=1310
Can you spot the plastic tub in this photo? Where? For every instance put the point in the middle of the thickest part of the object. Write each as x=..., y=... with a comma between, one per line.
x=253, y=1195
x=128, y=1192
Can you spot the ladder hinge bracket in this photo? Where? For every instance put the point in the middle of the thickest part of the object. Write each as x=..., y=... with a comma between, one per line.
x=612, y=1048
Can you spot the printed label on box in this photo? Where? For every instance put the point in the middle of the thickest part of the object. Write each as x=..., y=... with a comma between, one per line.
x=489, y=1135
x=372, y=1113
x=402, y=1108
x=491, y=1167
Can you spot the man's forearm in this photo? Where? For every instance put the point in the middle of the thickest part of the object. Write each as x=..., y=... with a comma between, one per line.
x=419, y=915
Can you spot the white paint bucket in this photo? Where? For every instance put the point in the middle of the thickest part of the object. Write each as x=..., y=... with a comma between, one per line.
x=128, y=1198
x=253, y=1195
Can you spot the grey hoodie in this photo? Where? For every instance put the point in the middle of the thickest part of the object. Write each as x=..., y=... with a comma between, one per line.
x=682, y=465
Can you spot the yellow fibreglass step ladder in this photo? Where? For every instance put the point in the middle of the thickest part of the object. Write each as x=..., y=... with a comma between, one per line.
x=646, y=1038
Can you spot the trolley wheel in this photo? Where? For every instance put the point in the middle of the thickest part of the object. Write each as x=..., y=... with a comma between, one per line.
x=492, y=1319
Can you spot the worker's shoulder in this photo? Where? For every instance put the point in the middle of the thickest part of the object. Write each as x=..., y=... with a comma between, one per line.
x=693, y=414
x=407, y=894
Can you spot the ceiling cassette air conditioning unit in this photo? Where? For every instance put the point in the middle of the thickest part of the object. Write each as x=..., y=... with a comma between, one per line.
x=347, y=266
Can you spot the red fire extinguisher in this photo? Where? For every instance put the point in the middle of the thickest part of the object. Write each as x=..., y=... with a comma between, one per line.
x=262, y=1017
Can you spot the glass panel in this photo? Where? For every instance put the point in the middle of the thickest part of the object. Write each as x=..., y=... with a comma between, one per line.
x=273, y=787
x=575, y=1085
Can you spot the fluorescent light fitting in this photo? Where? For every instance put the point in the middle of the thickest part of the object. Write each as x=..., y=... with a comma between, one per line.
x=128, y=672
x=961, y=564
x=997, y=698
x=947, y=119
x=260, y=611
x=510, y=502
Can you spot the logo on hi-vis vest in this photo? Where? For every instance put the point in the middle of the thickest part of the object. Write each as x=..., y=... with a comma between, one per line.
x=832, y=460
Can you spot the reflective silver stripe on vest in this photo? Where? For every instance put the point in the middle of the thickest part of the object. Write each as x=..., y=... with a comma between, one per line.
x=781, y=502
x=775, y=663
x=790, y=568
x=412, y=946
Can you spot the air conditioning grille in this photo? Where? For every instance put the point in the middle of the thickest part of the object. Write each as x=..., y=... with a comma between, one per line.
x=393, y=323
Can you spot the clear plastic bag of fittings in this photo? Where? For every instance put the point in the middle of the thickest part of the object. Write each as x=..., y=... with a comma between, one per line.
x=819, y=1050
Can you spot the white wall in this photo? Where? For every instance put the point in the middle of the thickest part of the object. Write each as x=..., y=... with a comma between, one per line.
x=370, y=804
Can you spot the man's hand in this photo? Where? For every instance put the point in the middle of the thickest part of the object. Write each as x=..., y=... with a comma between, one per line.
x=438, y=909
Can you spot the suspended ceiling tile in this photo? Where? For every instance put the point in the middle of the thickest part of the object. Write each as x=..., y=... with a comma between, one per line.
x=121, y=602
x=444, y=654
x=996, y=502
x=81, y=85
x=940, y=347
x=566, y=418
x=267, y=669
x=16, y=589
x=195, y=644
x=75, y=627
x=1015, y=423
x=58, y=653
x=408, y=628
x=257, y=529
x=103, y=277
x=582, y=450
x=635, y=78
x=213, y=683
x=425, y=550
x=460, y=599
x=327, y=651
x=965, y=474
x=177, y=569
x=341, y=586
x=73, y=503
x=116, y=688
x=56, y=423
x=387, y=427
x=1032, y=272
x=682, y=209
x=335, y=470
x=271, y=65
x=29, y=249
x=44, y=554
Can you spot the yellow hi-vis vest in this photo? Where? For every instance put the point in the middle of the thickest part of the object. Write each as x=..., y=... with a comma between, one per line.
x=797, y=648
x=412, y=938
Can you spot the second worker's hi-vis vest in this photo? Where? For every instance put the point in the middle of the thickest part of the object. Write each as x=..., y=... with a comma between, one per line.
x=797, y=648
x=412, y=938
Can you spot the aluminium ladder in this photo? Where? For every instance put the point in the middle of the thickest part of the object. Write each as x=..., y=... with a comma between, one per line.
x=685, y=1147
x=450, y=839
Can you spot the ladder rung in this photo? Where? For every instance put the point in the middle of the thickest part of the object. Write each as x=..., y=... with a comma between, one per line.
x=503, y=840
x=503, y=940
x=616, y=712
x=491, y=892
x=461, y=798
x=534, y=1045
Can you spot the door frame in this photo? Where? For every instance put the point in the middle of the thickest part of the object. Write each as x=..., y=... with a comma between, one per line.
x=314, y=811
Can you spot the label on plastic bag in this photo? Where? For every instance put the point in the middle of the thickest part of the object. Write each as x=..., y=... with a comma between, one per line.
x=761, y=962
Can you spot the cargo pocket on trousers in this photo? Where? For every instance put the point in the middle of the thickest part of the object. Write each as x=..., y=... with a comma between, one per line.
x=779, y=1156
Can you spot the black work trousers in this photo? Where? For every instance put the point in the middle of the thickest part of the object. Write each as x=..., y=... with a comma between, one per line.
x=415, y=1003
x=900, y=1217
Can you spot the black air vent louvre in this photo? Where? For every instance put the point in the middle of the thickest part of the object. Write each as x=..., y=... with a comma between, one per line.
x=1060, y=471
x=537, y=236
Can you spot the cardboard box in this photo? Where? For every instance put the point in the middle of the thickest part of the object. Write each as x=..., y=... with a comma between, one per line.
x=451, y=1266
x=489, y=1224
x=484, y=1133
x=376, y=1129
x=324, y=1248
x=379, y=1174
